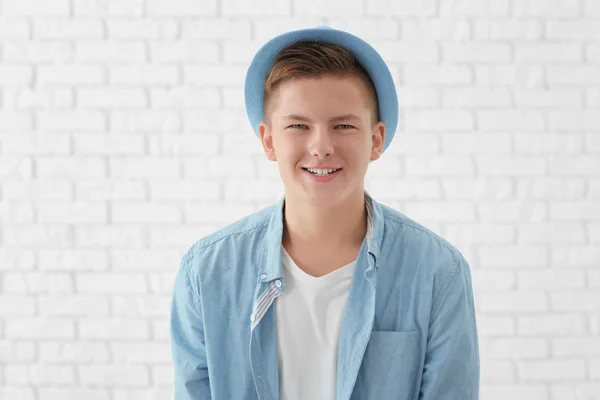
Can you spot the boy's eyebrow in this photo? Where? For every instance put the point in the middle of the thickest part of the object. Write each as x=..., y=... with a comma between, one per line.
x=338, y=118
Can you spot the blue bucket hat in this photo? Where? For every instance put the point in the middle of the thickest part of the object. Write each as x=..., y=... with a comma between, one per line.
x=366, y=55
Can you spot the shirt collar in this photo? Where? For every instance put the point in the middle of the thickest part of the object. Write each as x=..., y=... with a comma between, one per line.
x=271, y=267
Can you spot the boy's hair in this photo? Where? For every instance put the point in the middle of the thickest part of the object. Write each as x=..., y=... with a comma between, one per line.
x=310, y=59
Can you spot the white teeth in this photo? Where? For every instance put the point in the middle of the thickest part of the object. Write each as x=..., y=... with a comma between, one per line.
x=321, y=172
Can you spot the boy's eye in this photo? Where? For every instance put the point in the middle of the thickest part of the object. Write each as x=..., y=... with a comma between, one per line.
x=346, y=125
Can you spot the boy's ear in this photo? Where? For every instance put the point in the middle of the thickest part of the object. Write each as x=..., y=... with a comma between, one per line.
x=266, y=138
x=378, y=138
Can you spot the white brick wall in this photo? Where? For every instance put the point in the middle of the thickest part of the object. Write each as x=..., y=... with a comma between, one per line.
x=123, y=139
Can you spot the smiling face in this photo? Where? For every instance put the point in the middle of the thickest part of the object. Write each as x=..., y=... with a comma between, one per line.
x=322, y=122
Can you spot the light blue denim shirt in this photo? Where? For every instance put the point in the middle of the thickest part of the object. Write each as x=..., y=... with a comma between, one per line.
x=408, y=332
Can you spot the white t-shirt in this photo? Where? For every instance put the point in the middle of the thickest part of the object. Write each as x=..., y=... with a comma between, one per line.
x=309, y=316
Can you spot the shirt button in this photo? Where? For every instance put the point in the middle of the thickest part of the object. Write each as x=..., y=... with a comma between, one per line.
x=278, y=283
x=252, y=317
x=263, y=276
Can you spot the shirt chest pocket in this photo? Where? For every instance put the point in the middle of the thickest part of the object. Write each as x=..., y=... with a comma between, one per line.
x=391, y=367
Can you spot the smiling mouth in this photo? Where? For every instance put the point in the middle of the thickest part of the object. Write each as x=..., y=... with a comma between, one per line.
x=324, y=174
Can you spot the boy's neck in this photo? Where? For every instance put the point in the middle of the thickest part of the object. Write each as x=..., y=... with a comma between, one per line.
x=324, y=229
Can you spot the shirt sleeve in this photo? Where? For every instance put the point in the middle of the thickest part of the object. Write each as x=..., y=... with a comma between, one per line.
x=188, y=347
x=451, y=369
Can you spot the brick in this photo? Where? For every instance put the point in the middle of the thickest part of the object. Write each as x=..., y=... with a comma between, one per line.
x=74, y=352
x=38, y=98
x=211, y=212
x=556, y=233
x=369, y=28
x=108, y=144
x=141, y=353
x=439, y=165
x=30, y=8
x=401, y=8
x=446, y=211
x=182, y=8
x=72, y=212
x=304, y=8
x=482, y=233
x=12, y=259
x=512, y=391
x=551, y=370
x=210, y=74
x=20, y=144
x=513, y=256
x=186, y=97
x=18, y=28
x=15, y=212
x=83, y=121
x=188, y=51
x=108, y=8
x=186, y=190
x=487, y=280
x=548, y=143
x=513, y=302
x=114, y=189
x=187, y=144
x=15, y=167
x=572, y=30
x=38, y=236
x=131, y=29
x=40, y=375
x=577, y=300
x=31, y=282
x=144, y=121
x=551, y=324
x=569, y=165
x=144, y=167
x=96, y=328
x=39, y=328
x=141, y=305
x=550, y=279
x=108, y=236
x=143, y=74
x=574, y=256
x=576, y=74
x=15, y=75
x=516, y=76
x=15, y=352
x=35, y=52
x=15, y=305
x=548, y=52
x=574, y=120
x=575, y=347
x=393, y=188
x=512, y=211
x=574, y=211
x=498, y=371
x=474, y=8
x=434, y=30
x=476, y=97
x=111, y=283
x=407, y=52
x=15, y=121
x=507, y=30
x=557, y=97
x=145, y=213
x=574, y=390
x=72, y=260
x=510, y=120
x=445, y=74
x=514, y=348
x=70, y=167
x=476, y=52
x=477, y=143
x=47, y=393
x=70, y=75
x=68, y=29
x=114, y=375
x=94, y=51
x=548, y=188
x=511, y=165
x=73, y=306
x=228, y=28
x=438, y=120
x=556, y=9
